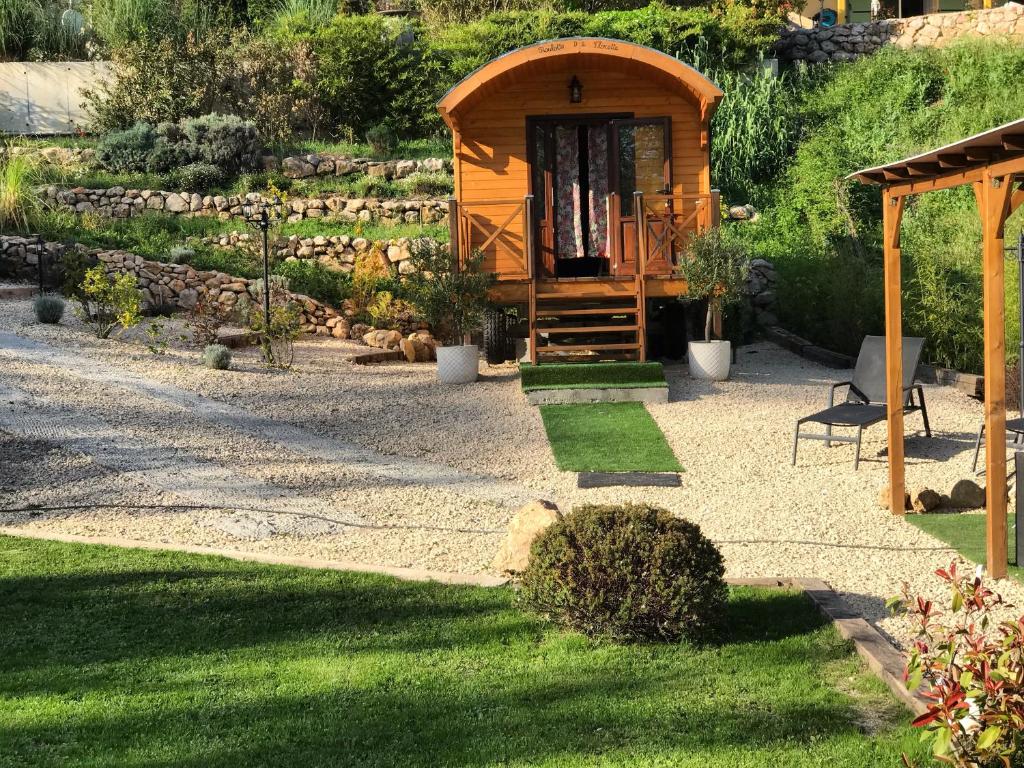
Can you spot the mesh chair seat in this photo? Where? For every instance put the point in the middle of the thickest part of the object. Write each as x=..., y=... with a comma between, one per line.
x=849, y=415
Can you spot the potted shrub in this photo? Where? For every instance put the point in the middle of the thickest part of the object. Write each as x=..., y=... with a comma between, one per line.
x=453, y=301
x=715, y=269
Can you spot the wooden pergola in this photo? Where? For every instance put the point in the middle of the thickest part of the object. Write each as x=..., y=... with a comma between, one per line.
x=993, y=164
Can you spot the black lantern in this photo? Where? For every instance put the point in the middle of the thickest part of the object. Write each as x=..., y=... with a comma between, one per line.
x=575, y=90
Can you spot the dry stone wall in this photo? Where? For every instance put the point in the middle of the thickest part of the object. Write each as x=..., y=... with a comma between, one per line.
x=119, y=202
x=846, y=42
x=315, y=164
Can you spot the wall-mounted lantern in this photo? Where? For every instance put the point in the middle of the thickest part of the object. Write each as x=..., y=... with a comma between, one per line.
x=575, y=90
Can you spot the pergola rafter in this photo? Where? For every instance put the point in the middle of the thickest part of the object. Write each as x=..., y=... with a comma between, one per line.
x=993, y=164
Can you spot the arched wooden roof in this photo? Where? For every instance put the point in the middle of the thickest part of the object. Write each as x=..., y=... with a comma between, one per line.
x=623, y=56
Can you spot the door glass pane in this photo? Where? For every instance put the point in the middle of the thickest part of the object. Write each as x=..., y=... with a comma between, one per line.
x=641, y=162
x=540, y=163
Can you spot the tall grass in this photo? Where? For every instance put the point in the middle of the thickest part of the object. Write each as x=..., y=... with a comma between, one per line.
x=294, y=16
x=19, y=202
x=755, y=129
x=35, y=29
x=119, y=22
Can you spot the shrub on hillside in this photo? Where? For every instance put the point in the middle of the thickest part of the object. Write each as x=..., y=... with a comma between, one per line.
x=312, y=278
x=630, y=572
x=217, y=357
x=128, y=150
x=199, y=177
x=382, y=139
x=48, y=309
x=225, y=141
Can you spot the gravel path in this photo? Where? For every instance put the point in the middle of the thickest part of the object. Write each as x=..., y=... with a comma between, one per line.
x=433, y=472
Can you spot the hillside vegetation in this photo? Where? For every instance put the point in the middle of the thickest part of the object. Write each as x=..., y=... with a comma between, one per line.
x=824, y=232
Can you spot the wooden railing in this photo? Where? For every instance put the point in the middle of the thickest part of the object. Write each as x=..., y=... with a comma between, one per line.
x=474, y=229
x=664, y=226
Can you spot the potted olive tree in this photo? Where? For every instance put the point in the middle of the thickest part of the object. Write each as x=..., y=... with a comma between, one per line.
x=453, y=301
x=716, y=269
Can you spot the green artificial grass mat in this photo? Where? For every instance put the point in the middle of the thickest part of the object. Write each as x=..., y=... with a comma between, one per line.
x=965, y=532
x=591, y=376
x=117, y=658
x=607, y=437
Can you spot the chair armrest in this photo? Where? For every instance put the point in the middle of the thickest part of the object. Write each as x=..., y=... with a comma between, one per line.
x=832, y=391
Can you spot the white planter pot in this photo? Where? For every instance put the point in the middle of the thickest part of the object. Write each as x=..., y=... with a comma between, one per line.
x=710, y=359
x=457, y=365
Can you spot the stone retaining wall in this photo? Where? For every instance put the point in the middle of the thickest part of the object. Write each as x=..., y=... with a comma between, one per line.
x=315, y=164
x=119, y=202
x=333, y=251
x=845, y=42
x=160, y=283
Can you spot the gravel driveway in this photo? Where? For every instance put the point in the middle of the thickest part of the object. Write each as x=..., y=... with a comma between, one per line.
x=380, y=464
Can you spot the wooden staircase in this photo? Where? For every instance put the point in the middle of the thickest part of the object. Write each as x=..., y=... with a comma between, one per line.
x=579, y=321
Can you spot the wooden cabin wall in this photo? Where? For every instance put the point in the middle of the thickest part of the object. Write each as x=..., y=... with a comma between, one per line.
x=491, y=156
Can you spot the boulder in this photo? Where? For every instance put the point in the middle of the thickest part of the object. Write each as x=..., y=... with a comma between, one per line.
x=297, y=168
x=175, y=203
x=967, y=494
x=925, y=500
x=514, y=553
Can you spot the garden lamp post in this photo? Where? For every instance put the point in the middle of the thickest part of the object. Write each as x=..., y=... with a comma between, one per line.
x=258, y=218
x=40, y=267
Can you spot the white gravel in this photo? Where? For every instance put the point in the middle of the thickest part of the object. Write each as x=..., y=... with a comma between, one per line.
x=818, y=519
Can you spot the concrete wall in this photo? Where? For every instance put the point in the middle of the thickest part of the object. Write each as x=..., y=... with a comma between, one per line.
x=46, y=97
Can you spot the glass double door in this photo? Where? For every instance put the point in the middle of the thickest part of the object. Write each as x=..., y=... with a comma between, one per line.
x=584, y=173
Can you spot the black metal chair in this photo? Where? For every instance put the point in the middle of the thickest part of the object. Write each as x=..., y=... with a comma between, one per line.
x=1014, y=439
x=865, y=397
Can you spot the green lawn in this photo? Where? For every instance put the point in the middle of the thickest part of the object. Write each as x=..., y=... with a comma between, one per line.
x=966, y=532
x=120, y=658
x=591, y=376
x=607, y=437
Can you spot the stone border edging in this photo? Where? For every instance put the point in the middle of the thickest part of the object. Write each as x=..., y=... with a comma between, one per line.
x=882, y=658
x=597, y=395
x=404, y=574
x=970, y=384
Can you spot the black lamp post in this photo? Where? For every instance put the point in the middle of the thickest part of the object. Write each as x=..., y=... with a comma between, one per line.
x=258, y=218
x=40, y=267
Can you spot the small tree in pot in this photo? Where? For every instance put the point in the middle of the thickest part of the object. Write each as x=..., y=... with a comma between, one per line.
x=453, y=301
x=716, y=269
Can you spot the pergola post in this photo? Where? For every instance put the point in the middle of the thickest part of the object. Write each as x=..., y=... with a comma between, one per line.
x=993, y=194
x=892, y=215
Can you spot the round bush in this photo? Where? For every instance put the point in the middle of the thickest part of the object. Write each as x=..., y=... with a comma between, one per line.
x=217, y=356
x=629, y=572
x=48, y=309
x=198, y=177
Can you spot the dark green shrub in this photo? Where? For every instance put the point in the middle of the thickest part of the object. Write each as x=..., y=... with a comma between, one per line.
x=226, y=141
x=382, y=139
x=48, y=309
x=429, y=184
x=217, y=356
x=180, y=254
x=128, y=150
x=197, y=177
x=313, y=279
x=630, y=572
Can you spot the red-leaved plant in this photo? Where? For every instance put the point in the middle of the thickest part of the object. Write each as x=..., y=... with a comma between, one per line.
x=973, y=675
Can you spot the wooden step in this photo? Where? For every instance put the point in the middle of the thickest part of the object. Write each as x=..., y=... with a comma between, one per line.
x=586, y=296
x=590, y=329
x=591, y=311
x=584, y=347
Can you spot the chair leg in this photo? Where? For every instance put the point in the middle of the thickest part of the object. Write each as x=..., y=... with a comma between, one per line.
x=977, y=448
x=856, y=455
x=796, y=442
x=924, y=411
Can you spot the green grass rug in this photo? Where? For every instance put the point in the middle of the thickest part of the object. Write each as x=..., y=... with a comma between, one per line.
x=129, y=659
x=965, y=531
x=591, y=376
x=607, y=437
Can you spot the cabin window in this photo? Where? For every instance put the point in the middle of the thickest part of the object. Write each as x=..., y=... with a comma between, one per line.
x=643, y=159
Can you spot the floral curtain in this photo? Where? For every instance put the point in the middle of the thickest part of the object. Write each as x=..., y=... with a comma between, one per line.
x=597, y=152
x=571, y=241
x=568, y=215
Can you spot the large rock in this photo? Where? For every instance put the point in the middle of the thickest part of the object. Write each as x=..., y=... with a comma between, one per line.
x=967, y=494
x=925, y=500
x=514, y=553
